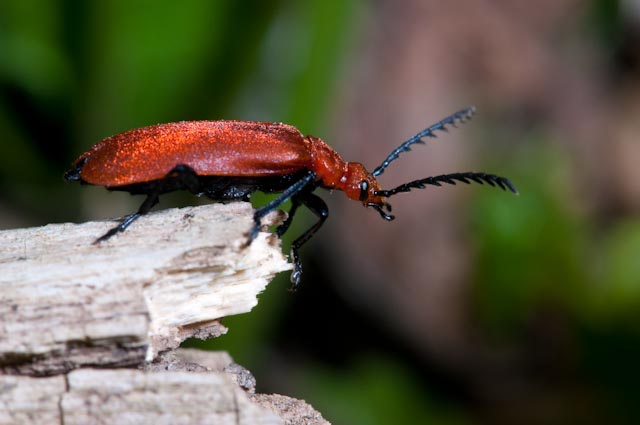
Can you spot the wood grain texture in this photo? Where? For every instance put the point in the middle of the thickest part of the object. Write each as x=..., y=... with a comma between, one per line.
x=124, y=396
x=27, y=400
x=132, y=396
x=67, y=303
x=180, y=387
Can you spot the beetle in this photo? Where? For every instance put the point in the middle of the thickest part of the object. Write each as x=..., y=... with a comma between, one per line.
x=229, y=160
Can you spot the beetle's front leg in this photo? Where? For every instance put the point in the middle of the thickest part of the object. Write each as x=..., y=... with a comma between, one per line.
x=319, y=208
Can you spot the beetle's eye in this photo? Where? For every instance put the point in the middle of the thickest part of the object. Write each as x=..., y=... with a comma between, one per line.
x=364, y=190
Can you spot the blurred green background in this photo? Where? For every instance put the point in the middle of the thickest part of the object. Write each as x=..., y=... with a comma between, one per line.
x=474, y=306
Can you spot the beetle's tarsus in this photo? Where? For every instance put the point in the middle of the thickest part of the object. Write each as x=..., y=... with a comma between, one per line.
x=296, y=274
x=122, y=226
x=107, y=235
x=150, y=201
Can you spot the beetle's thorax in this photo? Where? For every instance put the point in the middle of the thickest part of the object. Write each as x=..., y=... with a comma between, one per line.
x=325, y=162
x=335, y=173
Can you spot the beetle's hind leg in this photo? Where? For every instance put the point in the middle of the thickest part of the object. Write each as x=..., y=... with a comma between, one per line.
x=152, y=199
x=180, y=176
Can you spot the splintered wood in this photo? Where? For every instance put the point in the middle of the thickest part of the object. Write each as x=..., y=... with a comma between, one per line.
x=66, y=302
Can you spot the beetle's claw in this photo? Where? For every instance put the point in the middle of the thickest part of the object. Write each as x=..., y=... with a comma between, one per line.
x=296, y=274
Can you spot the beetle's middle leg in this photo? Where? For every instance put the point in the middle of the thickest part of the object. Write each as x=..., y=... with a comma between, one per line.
x=295, y=203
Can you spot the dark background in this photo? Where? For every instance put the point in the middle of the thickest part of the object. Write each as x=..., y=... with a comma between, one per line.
x=474, y=306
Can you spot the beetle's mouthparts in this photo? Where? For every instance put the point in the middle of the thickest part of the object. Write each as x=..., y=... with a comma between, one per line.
x=381, y=208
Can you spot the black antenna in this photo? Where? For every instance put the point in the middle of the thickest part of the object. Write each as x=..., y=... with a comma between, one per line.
x=469, y=177
x=452, y=120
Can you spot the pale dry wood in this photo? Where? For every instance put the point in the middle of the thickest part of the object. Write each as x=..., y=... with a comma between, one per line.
x=27, y=400
x=67, y=303
x=192, y=360
x=292, y=411
x=181, y=386
x=124, y=396
x=137, y=397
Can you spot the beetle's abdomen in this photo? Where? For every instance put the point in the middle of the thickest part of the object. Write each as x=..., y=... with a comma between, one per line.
x=211, y=148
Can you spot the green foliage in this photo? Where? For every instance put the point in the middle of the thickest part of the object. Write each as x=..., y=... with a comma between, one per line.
x=531, y=250
x=604, y=21
x=543, y=254
x=376, y=390
x=617, y=293
x=541, y=249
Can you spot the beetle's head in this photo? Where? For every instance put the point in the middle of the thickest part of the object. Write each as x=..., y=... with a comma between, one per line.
x=360, y=185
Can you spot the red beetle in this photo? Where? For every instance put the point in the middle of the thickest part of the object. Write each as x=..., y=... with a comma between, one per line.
x=229, y=160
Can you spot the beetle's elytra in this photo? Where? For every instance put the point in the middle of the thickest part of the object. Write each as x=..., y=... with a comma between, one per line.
x=229, y=160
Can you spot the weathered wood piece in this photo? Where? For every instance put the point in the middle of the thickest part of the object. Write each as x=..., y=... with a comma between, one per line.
x=172, y=390
x=126, y=396
x=67, y=303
